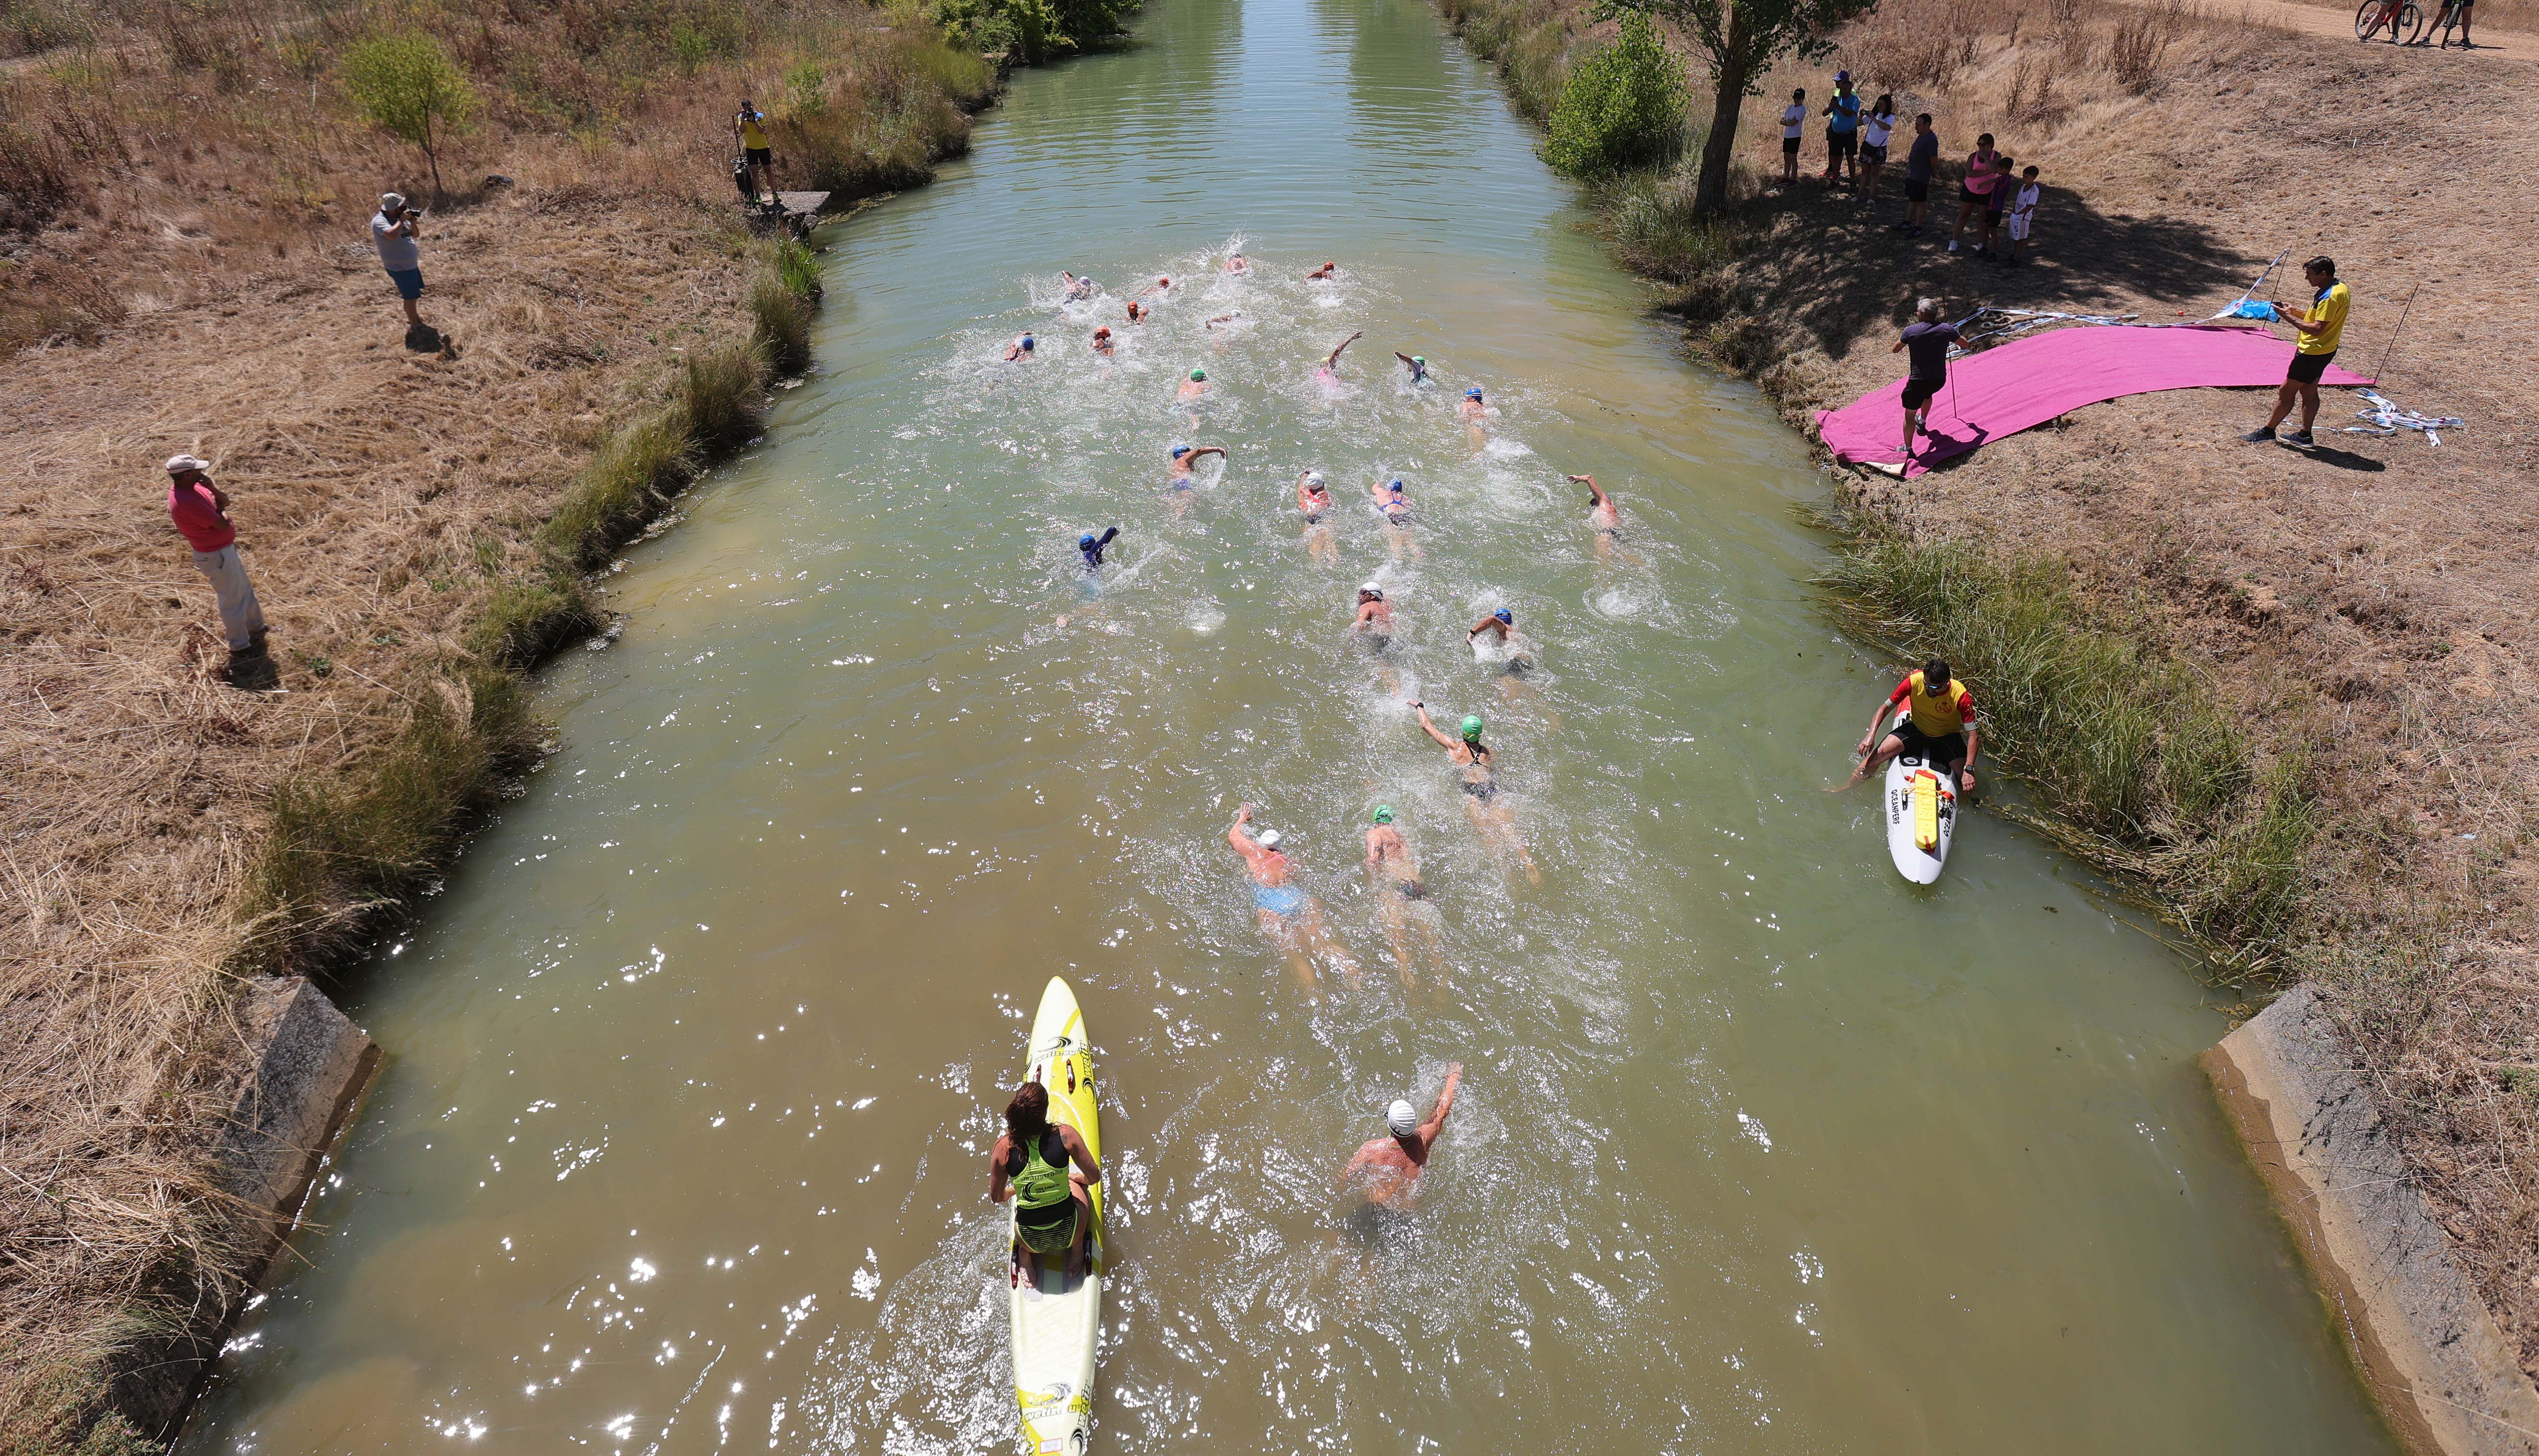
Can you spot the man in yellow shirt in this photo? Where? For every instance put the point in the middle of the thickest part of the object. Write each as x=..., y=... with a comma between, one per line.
x=2319, y=327
x=750, y=127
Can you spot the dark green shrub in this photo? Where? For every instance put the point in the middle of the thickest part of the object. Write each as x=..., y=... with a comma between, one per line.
x=1621, y=108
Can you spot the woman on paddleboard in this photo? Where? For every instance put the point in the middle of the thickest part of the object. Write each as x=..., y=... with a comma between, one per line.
x=1030, y=1165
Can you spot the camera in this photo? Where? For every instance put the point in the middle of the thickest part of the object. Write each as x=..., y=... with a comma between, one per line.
x=411, y=214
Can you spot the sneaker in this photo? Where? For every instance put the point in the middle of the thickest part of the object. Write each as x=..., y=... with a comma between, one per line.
x=2258, y=437
x=2299, y=438
x=1953, y=245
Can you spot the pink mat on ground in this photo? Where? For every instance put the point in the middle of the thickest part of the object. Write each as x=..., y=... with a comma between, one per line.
x=2024, y=384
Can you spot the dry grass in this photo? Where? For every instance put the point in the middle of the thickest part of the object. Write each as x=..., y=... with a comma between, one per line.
x=183, y=195
x=2365, y=607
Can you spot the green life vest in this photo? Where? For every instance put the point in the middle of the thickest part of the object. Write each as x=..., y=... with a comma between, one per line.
x=1040, y=1181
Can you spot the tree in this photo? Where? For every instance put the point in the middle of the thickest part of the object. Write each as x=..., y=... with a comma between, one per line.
x=1621, y=108
x=410, y=89
x=1742, y=38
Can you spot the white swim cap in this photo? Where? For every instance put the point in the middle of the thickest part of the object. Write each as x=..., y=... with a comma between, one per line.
x=1402, y=1117
x=1314, y=477
x=1369, y=586
x=1271, y=838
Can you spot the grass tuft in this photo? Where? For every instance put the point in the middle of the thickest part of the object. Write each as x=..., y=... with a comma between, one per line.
x=527, y=620
x=2137, y=766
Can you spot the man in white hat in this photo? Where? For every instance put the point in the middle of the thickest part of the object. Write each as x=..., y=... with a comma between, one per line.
x=1390, y=1166
x=392, y=229
x=201, y=513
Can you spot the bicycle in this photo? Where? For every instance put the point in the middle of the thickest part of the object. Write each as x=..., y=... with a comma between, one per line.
x=2451, y=17
x=2404, y=20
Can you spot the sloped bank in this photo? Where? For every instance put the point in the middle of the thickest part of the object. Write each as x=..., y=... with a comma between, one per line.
x=2238, y=847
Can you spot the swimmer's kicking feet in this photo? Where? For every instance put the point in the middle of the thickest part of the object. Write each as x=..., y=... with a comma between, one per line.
x=1287, y=913
x=1019, y=350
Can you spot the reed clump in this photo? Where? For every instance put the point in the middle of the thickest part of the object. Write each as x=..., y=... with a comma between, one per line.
x=2131, y=759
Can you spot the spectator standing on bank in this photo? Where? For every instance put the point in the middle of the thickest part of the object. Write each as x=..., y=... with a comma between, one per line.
x=1996, y=202
x=201, y=513
x=1875, y=129
x=1921, y=159
x=392, y=230
x=749, y=128
x=2319, y=328
x=1794, y=128
x=1842, y=131
x=1974, y=193
x=2023, y=214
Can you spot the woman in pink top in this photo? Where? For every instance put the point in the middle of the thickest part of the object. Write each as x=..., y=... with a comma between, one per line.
x=1974, y=194
x=201, y=513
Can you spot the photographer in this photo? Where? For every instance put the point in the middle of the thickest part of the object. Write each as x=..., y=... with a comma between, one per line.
x=749, y=128
x=393, y=228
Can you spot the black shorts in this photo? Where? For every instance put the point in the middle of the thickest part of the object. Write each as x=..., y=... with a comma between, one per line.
x=1876, y=154
x=1790, y=145
x=758, y=157
x=2307, y=368
x=1917, y=189
x=1843, y=144
x=1918, y=392
x=1946, y=754
x=1969, y=194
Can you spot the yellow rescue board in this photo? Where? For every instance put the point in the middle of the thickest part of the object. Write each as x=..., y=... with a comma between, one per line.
x=1057, y=1325
x=1926, y=810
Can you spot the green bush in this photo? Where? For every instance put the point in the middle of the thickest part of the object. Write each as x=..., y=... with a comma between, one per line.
x=409, y=87
x=1621, y=108
x=723, y=394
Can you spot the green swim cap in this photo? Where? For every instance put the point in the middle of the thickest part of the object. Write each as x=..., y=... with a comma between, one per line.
x=1198, y=373
x=1384, y=814
x=1420, y=359
x=1472, y=726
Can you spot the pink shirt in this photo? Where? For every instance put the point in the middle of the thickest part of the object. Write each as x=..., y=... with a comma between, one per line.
x=193, y=510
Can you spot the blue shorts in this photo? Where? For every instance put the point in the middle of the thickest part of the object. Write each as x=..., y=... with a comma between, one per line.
x=409, y=283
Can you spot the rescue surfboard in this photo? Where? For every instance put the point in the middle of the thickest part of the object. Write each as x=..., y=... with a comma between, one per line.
x=1057, y=1322
x=1921, y=817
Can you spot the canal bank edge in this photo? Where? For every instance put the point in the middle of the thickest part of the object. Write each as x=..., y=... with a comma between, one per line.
x=2429, y=1351
x=303, y=1069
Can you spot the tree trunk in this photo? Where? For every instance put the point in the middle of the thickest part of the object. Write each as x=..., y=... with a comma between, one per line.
x=1736, y=66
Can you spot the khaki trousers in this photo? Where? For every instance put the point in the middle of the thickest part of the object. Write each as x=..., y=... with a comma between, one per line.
x=241, y=617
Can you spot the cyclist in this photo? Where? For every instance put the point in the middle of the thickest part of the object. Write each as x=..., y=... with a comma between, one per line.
x=2454, y=13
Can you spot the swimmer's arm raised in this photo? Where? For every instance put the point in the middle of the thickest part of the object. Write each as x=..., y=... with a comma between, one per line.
x=1333, y=358
x=1443, y=741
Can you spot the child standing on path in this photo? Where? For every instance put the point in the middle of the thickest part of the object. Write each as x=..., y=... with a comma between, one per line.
x=1794, y=125
x=2023, y=216
x=1875, y=129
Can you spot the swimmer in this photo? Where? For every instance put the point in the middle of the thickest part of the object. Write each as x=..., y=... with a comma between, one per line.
x=1019, y=350
x=1501, y=622
x=1287, y=916
x=1102, y=341
x=1471, y=409
x=1077, y=287
x=1417, y=363
x=1516, y=657
x=1194, y=386
x=1374, y=619
x=1092, y=546
x=1394, y=504
x=1185, y=459
x=1325, y=272
x=1332, y=359
x=1225, y=318
x=1238, y=264
x=1604, y=519
x=1395, y=878
x=1159, y=286
x=1137, y=311
x=1480, y=782
x=1388, y=1168
x=1314, y=501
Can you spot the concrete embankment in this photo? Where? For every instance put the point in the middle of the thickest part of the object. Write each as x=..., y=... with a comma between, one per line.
x=2424, y=1341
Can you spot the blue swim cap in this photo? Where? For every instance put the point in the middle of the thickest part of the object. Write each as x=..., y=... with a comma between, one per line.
x=1472, y=393
x=1027, y=340
x=1086, y=542
x=1504, y=615
x=1180, y=451
x=1395, y=486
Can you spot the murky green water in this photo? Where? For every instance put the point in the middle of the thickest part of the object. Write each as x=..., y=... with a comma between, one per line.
x=680, y=1142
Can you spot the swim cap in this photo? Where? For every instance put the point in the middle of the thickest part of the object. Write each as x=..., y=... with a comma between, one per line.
x=1472, y=393
x=1314, y=477
x=1027, y=340
x=1471, y=727
x=1396, y=486
x=1402, y=1117
x=1198, y=373
x=1384, y=814
x=1102, y=332
x=1270, y=839
x=1086, y=542
x=1369, y=589
x=1506, y=615
x=1420, y=359
x=1180, y=451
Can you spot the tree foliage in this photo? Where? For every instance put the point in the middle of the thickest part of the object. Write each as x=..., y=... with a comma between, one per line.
x=1741, y=40
x=1031, y=30
x=1621, y=109
x=409, y=87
